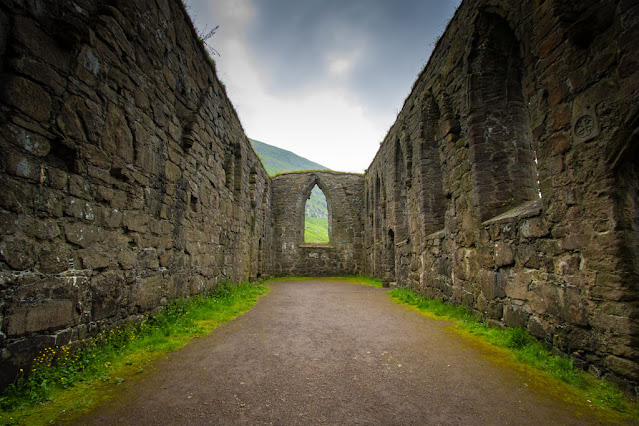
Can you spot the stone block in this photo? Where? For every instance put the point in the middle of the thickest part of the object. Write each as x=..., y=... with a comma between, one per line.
x=108, y=290
x=8, y=223
x=573, y=309
x=118, y=140
x=43, y=229
x=538, y=327
x=54, y=258
x=148, y=259
x=172, y=172
x=68, y=120
x=527, y=256
x=94, y=259
x=533, y=228
x=568, y=265
x=78, y=187
x=19, y=254
x=515, y=316
x=80, y=209
x=26, y=96
x=136, y=221
x=491, y=283
x=22, y=317
x=482, y=304
x=81, y=234
x=27, y=140
x=518, y=288
x=145, y=294
x=112, y=217
x=624, y=367
x=127, y=259
x=23, y=166
x=495, y=310
x=503, y=254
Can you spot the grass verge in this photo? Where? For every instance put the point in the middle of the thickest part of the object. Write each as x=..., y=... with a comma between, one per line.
x=356, y=279
x=526, y=349
x=64, y=382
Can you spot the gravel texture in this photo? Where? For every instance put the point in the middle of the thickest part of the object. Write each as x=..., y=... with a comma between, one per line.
x=324, y=351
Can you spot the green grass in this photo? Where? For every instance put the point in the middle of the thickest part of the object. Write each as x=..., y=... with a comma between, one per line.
x=360, y=279
x=525, y=349
x=315, y=230
x=66, y=380
x=356, y=279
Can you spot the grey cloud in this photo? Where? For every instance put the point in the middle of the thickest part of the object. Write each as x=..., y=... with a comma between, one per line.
x=292, y=38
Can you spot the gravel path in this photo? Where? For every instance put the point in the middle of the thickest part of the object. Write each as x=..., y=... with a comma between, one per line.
x=313, y=352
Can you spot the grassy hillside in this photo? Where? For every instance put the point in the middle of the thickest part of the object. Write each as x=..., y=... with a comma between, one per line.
x=316, y=205
x=277, y=160
x=316, y=230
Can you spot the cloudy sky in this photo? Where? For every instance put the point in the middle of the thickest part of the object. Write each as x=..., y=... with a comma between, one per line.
x=322, y=78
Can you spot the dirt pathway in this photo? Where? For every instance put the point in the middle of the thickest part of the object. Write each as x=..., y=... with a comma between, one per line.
x=313, y=352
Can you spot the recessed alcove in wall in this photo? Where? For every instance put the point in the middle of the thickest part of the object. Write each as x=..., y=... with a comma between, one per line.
x=400, y=193
x=504, y=170
x=433, y=202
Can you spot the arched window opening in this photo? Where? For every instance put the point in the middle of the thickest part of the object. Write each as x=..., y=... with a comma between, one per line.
x=432, y=189
x=537, y=174
x=194, y=203
x=377, y=209
x=238, y=170
x=229, y=165
x=377, y=226
x=260, y=259
x=409, y=162
x=400, y=193
x=390, y=257
x=627, y=200
x=504, y=171
x=316, y=220
x=253, y=186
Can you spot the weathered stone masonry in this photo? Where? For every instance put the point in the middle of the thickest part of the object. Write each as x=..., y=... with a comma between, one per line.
x=343, y=255
x=452, y=205
x=127, y=179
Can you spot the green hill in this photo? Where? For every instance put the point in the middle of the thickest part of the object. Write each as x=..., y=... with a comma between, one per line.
x=277, y=160
x=316, y=230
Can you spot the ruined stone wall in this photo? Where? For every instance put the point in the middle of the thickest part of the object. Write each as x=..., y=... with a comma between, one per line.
x=126, y=177
x=344, y=199
x=514, y=94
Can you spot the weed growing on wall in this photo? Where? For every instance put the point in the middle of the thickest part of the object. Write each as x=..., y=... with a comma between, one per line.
x=59, y=368
x=525, y=349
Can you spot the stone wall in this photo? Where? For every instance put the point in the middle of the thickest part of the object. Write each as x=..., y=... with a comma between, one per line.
x=343, y=253
x=509, y=181
x=126, y=176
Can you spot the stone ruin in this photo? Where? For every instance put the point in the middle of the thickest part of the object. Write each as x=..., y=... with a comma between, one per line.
x=508, y=183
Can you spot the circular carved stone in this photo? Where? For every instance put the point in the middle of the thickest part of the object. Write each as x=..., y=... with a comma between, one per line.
x=585, y=126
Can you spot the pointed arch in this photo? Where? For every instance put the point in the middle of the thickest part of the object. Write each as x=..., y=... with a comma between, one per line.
x=315, y=181
x=237, y=189
x=400, y=196
x=253, y=186
x=624, y=161
x=433, y=202
x=391, y=272
x=503, y=171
